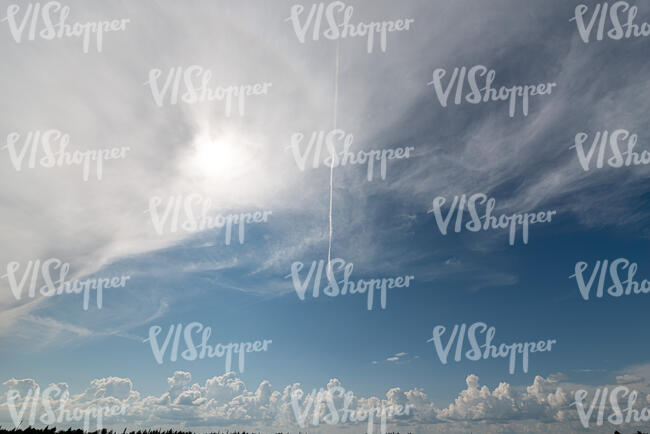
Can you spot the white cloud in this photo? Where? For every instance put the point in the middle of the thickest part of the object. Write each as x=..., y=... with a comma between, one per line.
x=400, y=358
x=628, y=379
x=225, y=401
x=92, y=224
x=120, y=388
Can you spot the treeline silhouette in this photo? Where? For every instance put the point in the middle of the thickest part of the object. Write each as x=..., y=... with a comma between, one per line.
x=48, y=430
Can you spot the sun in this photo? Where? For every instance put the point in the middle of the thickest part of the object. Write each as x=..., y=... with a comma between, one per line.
x=221, y=157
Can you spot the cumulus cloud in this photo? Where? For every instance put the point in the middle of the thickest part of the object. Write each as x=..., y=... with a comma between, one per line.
x=544, y=400
x=628, y=379
x=119, y=388
x=225, y=401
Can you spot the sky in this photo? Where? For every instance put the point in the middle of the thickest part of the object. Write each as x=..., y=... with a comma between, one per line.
x=246, y=158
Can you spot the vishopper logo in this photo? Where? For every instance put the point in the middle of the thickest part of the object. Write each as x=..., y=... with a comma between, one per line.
x=191, y=85
x=314, y=403
x=618, y=18
x=339, y=138
x=487, y=93
x=52, y=146
x=474, y=354
x=617, y=157
x=345, y=285
x=46, y=269
x=193, y=352
x=192, y=214
x=617, y=416
x=614, y=270
x=49, y=21
x=487, y=220
x=338, y=16
x=53, y=414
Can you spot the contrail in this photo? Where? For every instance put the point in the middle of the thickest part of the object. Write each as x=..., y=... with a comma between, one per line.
x=336, y=105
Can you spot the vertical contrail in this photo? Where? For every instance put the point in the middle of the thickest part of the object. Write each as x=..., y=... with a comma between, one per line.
x=336, y=105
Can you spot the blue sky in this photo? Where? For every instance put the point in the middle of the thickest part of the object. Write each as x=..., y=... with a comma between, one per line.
x=383, y=227
x=318, y=338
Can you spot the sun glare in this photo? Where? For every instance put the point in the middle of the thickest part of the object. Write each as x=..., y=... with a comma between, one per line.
x=220, y=157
